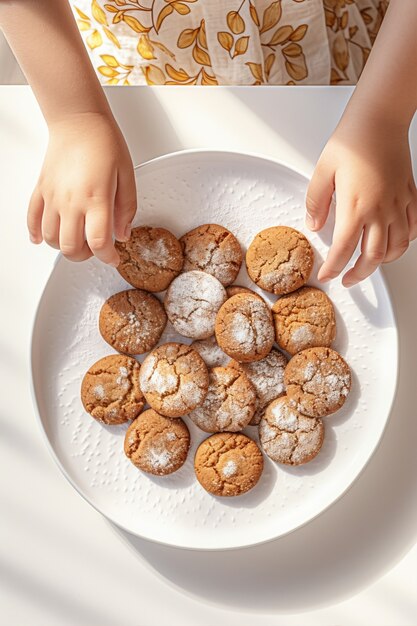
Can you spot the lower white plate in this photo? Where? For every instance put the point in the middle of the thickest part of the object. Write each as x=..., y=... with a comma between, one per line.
x=245, y=194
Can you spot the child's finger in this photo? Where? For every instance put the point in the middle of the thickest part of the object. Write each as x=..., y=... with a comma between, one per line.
x=34, y=217
x=50, y=227
x=319, y=197
x=345, y=239
x=398, y=239
x=412, y=220
x=99, y=231
x=125, y=204
x=374, y=247
x=71, y=238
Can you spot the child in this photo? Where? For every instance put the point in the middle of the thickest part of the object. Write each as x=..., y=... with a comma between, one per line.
x=86, y=190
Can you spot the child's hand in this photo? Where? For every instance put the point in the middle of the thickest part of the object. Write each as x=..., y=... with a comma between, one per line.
x=86, y=190
x=368, y=165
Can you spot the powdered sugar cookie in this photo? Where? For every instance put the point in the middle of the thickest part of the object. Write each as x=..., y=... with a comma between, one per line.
x=229, y=403
x=279, y=259
x=192, y=302
x=288, y=436
x=267, y=377
x=228, y=464
x=244, y=328
x=157, y=444
x=213, y=249
x=151, y=258
x=110, y=390
x=209, y=349
x=174, y=379
x=304, y=319
x=317, y=381
x=132, y=321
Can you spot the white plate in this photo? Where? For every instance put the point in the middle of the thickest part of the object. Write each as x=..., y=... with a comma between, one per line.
x=245, y=194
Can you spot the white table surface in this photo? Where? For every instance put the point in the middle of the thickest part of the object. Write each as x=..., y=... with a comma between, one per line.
x=61, y=563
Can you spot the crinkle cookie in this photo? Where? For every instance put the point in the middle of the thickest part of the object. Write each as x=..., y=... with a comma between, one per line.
x=289, y=437
x=192, y=302
x=317, y=381
x=110, y=390
x=213, y=249
x=156, y=444
x=174, y=379
x=132, y=321
x=244, y=328
x=229, y=403
x=280, y=259
x=267, y=376
x=304, y=319
x=151, y=258
x=209, y=349
x=228, y=464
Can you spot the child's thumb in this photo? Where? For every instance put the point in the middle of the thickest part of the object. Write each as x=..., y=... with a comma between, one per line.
x=318, y=199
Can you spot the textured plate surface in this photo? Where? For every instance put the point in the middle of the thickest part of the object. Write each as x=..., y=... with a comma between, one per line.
x=245, y=194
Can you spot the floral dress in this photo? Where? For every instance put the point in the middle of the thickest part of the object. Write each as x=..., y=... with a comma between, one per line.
x=229, y=42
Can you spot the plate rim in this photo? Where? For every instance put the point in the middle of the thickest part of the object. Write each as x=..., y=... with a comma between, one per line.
x=54, y=455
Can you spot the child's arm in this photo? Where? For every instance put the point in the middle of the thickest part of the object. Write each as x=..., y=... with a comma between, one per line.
x=86, y=189
x=367, y=159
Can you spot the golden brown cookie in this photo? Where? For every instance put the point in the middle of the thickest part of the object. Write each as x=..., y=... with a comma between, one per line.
x=280, y=259
x=151, y=258
x=213, y=249
x=233, y=290
x=174, y=379
x=304, y=319
x=317, y=381
x=209, y=349
x=192, y=302
x=228, y=464
x=244, y=328
x=110, y=390
x=229, y=403
x=157, y=444
x=267, y=376
x=132, y=321
x=288, y=436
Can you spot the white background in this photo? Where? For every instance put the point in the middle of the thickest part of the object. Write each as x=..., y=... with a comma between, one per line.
x=60, y=561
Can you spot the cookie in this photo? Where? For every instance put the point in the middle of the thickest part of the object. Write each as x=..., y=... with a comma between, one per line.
x=267, y=377
x=233, y=290
x=279, y=259
x=191, y=303
x=244, y=328
x=228, y=464
x=213, y=249
x=317, y=381
x=229, y=404
x=209, y=349
x=156, y=444
x=289, y=437
x=151, y=258
x=132, y=321
x=174, y=379
x=304, y=319
x=110, y=390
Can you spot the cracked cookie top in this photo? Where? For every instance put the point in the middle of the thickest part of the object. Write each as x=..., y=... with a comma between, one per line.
x=110, y=390
x=289, y=437
x=229, y=403
x=228, y=464
x=317, y=381
x=157, y=444
x=192, y=302
x=151, y=258
x=132, y=321
x=267, y=377
x=213, y=249
x=244, y=328
x=174, y=379
x=304, y=319
x=279, y=259
x=211, y=352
